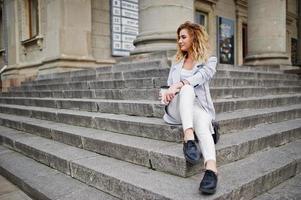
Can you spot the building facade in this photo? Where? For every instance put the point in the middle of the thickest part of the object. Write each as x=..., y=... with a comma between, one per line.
x=48, y=36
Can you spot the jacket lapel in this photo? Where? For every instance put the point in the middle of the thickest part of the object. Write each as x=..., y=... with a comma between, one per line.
x=177, y=72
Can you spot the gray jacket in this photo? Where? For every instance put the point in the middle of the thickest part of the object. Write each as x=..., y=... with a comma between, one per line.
x=200, y=81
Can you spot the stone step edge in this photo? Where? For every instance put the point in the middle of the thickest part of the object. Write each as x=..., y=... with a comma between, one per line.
x=88, y=82
x=172, y=133
x=125, y=89
x=289, y=189
x=138, y=101
x=50, y=185
x=99, y=70
x=98, y=94
x=96, y=105
x=94, y=167
x=121, y=117
x=173, y=161
x=167, y=68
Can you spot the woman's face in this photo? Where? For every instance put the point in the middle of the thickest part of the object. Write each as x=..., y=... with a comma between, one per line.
x=185, y=40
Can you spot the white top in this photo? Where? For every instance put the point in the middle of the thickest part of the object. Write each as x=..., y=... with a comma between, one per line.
x=185, y=73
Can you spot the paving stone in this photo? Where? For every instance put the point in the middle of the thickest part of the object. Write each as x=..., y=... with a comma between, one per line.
x=6, y=186
x=16, y=195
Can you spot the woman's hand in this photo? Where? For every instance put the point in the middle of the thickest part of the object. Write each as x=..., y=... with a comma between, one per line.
x=170, y=93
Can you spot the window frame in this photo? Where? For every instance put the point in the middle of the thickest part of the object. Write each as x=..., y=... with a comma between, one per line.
x=30, y=19
x=205, y=20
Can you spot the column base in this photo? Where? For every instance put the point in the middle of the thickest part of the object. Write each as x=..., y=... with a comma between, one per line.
x=275, y=59
x=10, y=78
x=153, y=42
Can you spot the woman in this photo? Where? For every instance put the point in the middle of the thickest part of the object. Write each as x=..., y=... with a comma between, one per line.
x=189, y=102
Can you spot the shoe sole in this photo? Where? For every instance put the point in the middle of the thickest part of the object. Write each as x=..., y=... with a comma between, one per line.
x=207, y=191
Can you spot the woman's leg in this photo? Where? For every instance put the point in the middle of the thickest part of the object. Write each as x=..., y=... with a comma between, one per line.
x=203, y=130
x=186, y=101
x=181, y=109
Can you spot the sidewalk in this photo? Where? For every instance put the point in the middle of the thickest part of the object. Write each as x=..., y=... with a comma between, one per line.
x=9, y=191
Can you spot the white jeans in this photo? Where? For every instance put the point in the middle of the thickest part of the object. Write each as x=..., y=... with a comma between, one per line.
x=185, y=109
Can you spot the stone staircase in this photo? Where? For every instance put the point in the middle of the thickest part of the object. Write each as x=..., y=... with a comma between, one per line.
x=99, y=134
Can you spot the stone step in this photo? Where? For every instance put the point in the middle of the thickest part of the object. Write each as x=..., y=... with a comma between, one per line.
x=124, y=180
x=151, y=83
x=106, y=76
x=83, y=72
x=153, y=128
x=154, y=64
x=256, y=68
x=160, y=72
x=152, y=94
x=149, y=108
x=42, y=182
x=289, y=190
x=157, y=155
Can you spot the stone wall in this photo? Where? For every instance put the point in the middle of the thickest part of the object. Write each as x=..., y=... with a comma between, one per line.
x=101, y=31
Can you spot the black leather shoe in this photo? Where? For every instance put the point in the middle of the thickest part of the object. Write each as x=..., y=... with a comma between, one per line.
x=209, y=182
x=191, y=152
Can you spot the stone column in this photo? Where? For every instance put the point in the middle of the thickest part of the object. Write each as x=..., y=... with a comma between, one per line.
x=158, y=22
x=267, y=33
x=8, y=77
x=299, y=34
x=69, y=29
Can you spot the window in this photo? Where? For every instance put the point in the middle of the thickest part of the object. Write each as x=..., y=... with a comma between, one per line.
x=201, y=18
x=244, y=40
x=1, y=29
x=33, y=18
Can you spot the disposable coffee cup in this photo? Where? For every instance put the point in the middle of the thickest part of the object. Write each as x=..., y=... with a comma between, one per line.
x=163, y=89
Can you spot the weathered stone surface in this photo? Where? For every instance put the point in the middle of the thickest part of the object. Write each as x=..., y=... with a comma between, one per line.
x=124, y=170
x=42, y=182
x=151, y=108
x=168, y=157
x=77, y=105
x=78, y=94
x=230, y=122
x=146, y=73
x=137, y=65
x=66, y=137
x=79, y=120
x=140, y=128
x=52, y=116
x=288, y=190
x=37, y=130
x=96, y=167
x=155, y=128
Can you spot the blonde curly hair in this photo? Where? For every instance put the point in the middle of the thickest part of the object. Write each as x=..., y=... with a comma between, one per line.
x=200, y=42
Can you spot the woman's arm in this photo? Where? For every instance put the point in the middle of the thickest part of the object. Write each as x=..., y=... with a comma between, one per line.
x=204, y=73
x=169, y=79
